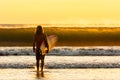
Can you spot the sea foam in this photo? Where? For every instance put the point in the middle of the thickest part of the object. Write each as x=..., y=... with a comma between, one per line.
x=64, y=51
x=61, y=62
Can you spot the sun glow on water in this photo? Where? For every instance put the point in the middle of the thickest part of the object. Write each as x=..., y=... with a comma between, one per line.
x=82, y=25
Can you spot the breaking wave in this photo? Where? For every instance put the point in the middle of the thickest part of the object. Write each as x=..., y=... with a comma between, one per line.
x=64, y=51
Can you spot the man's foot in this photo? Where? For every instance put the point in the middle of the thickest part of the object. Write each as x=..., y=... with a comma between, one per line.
x=38, y=75
x=37, y=71
x=42, y=74
x=41, y=71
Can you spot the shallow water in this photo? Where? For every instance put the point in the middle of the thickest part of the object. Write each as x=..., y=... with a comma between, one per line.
x=61, y=64
x=60, y=74
x=80, y=68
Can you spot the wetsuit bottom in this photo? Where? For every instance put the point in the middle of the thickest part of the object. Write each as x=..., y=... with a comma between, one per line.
x=39, y=55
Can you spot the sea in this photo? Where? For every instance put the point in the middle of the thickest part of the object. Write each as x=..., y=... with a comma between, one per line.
x=61, y=63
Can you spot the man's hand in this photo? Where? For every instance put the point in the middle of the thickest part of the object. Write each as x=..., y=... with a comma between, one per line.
x=47, y=50
x=34, y=50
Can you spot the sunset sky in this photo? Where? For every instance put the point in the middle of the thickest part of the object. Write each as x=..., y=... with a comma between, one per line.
x=59, y=11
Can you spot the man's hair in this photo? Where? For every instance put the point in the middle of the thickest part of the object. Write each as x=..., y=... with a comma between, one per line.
x=39, y=30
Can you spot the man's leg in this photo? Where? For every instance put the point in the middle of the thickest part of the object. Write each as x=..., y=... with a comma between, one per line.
x=37, y=59
x=42, y=62
x=37, y=64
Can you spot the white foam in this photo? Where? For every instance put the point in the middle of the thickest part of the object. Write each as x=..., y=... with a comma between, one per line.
x=61, y=61
x=64, y=51
x=16, y=51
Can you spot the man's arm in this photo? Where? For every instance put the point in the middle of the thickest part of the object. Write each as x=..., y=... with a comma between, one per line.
x=34, y=44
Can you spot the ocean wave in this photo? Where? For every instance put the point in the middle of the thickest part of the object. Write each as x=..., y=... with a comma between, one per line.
x=64, y=51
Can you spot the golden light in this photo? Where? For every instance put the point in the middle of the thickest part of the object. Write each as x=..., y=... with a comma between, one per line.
x=58, y=11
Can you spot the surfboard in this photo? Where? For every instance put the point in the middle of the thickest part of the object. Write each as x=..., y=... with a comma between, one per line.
x=52, y=39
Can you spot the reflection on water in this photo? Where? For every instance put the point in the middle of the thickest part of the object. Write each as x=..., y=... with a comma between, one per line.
x=60, y=74
x=39, y=75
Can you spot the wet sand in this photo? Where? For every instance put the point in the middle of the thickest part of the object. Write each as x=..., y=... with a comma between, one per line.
x=61, y=74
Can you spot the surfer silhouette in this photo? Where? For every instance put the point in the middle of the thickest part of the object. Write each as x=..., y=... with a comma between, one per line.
x=39, y=37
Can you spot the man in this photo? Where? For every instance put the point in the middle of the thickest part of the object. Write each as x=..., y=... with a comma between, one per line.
x=38, y=40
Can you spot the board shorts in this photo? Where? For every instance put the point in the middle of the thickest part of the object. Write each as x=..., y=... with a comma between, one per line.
x=39, y=54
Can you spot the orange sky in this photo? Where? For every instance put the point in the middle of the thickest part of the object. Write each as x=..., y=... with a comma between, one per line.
x=59, y=11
